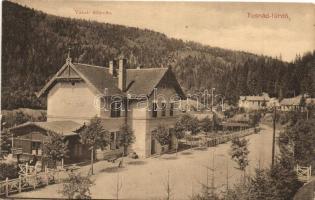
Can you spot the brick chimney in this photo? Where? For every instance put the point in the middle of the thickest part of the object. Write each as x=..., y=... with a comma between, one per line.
x=122, y=74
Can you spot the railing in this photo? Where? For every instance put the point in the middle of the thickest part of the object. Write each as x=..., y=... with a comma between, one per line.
x=214, y=141
x=304, y=173
x=26, y=182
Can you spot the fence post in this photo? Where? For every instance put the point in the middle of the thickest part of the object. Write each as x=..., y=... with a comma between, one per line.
x=34, y=183
x=20, y=184
x=6, y=187
x=26, y=169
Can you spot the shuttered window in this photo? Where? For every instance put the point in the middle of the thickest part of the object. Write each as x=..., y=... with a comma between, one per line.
x=171, y=109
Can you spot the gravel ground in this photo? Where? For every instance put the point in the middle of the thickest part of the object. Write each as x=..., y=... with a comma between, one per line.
x=147, y=178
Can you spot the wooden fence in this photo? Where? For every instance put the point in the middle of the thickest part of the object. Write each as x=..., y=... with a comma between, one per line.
x=214, y=141
x=27, y=182
x=304, y=173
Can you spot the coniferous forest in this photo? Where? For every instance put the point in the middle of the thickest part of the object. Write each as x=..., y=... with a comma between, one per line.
x=35, y=46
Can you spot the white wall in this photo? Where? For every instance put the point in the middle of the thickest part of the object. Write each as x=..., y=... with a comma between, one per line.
x=143, y=124
x=71, y=102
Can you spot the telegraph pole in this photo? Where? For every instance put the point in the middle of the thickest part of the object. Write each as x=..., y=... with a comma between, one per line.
x=274, y=135
x=227, y=175
x=212, y=180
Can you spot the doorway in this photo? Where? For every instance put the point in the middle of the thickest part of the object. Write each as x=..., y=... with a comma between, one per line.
x=153, y=147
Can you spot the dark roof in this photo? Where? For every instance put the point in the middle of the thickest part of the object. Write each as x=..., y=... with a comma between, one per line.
x=65, y=128
x=99, y=77
x=139, y=81
x=143, y=81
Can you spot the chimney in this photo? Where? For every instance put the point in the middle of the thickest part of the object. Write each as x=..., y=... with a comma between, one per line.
x=122, y=74
x=113, y=67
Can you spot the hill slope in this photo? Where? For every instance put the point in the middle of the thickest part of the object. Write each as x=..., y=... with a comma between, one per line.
x=35, y=46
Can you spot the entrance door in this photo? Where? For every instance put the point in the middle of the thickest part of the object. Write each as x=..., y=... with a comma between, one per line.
x=152, y=146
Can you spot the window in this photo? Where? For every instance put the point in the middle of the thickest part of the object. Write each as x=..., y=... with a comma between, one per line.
x=115, y=109
x=36, y=148
x=163, y=109
x=171, y=109
x=154, y=110
x=117, y=139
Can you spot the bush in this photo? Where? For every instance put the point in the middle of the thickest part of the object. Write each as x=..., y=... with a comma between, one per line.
x=76, y=187
x=162, y=135
x=186, y=123
x=9, y=170
x=206, y=124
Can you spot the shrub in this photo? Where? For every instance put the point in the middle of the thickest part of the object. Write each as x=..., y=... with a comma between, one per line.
x=56, y=148
x=239, y=152
x=162, y=135
x=186, y=123
x=206, y=124
x=9, y=170
x=76, y=187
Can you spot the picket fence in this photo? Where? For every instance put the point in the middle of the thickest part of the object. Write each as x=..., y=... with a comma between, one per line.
x=214, y=141
x=27, y=182
x=304, y=173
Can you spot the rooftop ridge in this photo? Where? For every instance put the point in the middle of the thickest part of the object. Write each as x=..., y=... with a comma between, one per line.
x=91, y=65
x=104, y=67
x=151, y=68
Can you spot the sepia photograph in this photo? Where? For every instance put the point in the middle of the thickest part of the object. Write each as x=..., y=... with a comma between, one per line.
x=157, y=100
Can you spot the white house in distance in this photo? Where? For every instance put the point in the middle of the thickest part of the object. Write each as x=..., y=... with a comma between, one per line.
x=297, y=103
x=254, y=102
x=79, y=92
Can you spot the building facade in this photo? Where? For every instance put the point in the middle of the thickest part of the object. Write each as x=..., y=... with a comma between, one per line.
x=142, y=98
x=254, y=102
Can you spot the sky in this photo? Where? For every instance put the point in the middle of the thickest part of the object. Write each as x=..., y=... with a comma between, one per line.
x=271, y=29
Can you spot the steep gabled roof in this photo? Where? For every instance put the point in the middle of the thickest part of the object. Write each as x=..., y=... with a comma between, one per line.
x=65, y=128
x=139, y=81
x=99, y=77
x=96, y=77
x=142, y=82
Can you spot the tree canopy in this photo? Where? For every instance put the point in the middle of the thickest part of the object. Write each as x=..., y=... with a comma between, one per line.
x=94, y=134
x=36, y=43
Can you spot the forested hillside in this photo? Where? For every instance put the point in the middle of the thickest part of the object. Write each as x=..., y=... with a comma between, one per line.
x=35, y=45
